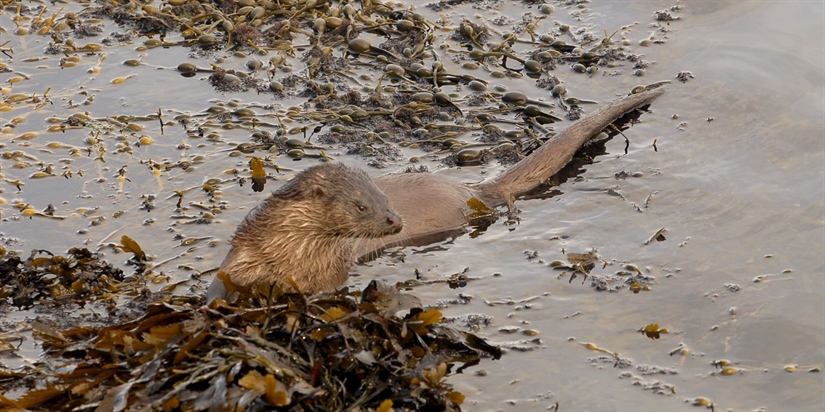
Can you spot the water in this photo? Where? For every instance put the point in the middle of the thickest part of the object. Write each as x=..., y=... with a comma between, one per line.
x=742, y=196
x=745, y=194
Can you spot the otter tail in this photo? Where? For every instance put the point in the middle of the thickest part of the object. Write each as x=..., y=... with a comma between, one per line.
x=557, y=152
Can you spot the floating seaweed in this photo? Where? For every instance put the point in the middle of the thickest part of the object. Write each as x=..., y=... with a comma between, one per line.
x=79, y=276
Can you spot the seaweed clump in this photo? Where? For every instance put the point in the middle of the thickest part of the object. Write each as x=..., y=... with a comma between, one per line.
x=273, y=350
x=78, y=276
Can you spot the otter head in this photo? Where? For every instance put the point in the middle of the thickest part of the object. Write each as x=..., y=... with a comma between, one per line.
x=351, y=204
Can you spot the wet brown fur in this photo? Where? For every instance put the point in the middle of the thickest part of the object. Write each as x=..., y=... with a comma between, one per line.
x=303, y=230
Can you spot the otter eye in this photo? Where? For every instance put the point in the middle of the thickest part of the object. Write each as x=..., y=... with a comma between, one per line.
x=361, y=208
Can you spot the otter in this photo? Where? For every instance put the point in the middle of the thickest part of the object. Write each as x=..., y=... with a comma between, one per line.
x=302, y=231
x=308, y=233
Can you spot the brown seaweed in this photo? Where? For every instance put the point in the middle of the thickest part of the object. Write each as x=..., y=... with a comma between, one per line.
x=324, y=352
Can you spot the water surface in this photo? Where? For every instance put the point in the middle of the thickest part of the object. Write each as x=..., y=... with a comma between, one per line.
x=737, y=178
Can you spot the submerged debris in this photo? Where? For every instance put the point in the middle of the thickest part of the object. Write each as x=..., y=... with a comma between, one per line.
x=665, y=15
x=684, y=76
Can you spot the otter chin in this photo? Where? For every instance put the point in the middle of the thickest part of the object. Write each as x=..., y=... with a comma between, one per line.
x=308, y=233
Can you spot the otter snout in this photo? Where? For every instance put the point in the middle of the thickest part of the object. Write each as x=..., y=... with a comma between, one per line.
x=394, y=222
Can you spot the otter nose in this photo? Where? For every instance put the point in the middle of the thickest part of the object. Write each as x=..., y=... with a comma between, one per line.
x=394, y=221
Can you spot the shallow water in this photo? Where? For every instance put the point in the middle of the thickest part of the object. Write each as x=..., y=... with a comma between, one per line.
x=744, y=192
x=741, y=196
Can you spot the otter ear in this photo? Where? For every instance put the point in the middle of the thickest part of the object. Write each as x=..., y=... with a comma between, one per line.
x=316, y=191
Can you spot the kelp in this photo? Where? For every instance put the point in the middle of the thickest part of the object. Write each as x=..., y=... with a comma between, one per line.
x=272, y=350
x=78, y=276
